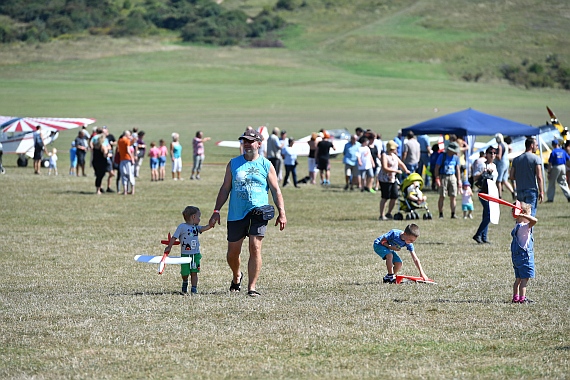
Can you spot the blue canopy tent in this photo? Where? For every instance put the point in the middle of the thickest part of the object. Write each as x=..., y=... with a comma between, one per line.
x=470, y=122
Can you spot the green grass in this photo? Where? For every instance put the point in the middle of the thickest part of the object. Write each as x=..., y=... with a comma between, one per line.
x=74, y=304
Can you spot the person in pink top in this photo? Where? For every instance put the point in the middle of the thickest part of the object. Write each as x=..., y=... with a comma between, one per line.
x=198, y=148
x=162, y=154
x=153, y=154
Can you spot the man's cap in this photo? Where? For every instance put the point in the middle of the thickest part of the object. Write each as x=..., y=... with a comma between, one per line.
x=454, y=147
x=251, y=135
x=555, y=142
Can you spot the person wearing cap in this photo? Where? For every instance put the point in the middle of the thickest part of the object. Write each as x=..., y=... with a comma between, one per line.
x=247, y=180
x=526, y=171
x=448, y=177
x=557, y=172
x=323, y=158
x=485, y=171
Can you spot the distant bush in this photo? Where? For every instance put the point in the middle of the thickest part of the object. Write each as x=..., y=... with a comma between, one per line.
x=551, y=73
x=199, y=21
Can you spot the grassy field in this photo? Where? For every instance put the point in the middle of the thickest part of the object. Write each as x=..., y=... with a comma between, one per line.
x=74, y=304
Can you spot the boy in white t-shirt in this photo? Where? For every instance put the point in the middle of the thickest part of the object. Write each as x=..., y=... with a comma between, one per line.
x=53, y=162
x=188, y=233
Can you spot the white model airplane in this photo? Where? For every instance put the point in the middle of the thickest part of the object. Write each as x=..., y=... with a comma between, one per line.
x=16, y=133
x=339, y=138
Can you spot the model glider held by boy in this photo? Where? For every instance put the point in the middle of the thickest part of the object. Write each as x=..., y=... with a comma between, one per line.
x=164, y=259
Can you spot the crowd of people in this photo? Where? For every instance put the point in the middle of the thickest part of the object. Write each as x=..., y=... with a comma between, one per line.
x=123, y=158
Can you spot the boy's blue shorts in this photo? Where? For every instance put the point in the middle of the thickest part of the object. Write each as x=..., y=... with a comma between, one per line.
x=523, y=264
x=383, y=251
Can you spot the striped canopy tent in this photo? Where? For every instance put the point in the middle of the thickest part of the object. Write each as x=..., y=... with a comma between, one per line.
x=11, y=124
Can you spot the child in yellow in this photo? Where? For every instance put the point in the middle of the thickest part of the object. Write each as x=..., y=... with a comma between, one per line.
x=187, y=233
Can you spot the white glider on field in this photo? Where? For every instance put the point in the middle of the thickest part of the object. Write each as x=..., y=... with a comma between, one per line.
x=339, y=138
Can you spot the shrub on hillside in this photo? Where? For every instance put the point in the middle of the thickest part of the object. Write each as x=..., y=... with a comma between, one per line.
x=533, y=74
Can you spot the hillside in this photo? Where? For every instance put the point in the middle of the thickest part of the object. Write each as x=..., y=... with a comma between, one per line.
x=416, y=39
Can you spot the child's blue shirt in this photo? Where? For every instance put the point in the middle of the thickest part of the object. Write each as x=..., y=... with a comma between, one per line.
x=393, y=238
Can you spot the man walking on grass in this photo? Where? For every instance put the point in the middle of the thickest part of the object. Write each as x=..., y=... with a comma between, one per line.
x=246, y=182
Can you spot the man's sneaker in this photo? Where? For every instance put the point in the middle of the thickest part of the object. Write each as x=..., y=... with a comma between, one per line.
x=389, y=279
x=478, y=239
x=441, y=215
x=109, y=190
x=389, y=216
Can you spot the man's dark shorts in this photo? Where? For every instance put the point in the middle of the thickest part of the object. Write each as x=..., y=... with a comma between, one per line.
x=38, y=152
x=80, y=157
x=323, y=164
x=251, y=225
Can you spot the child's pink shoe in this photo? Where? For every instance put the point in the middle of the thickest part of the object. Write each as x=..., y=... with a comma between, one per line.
x=516, y=299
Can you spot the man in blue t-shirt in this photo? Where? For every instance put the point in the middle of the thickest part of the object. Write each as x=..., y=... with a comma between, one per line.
x=557, y=172
x=350, y=162
x=447, y=176
x=247, y=180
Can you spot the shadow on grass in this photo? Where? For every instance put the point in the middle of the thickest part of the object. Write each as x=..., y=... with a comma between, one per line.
x=165, y=293
x=440, y=300
x=77, y=192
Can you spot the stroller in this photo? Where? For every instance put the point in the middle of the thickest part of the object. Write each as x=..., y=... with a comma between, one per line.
x=409, y=206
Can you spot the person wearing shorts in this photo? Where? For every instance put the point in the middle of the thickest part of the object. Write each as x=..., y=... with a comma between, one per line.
x=247, y=181
x=448, y=177
x=187, y=233
x=387, y=245
x=389, y=187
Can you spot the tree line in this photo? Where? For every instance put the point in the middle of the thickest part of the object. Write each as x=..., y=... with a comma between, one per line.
x=196, y=21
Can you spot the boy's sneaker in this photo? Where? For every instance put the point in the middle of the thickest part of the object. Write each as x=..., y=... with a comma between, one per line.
x=390, y=279
x=194, y=290
x=389, y=216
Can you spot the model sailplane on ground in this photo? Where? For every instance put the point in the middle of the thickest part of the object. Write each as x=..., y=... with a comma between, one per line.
x=339, y=138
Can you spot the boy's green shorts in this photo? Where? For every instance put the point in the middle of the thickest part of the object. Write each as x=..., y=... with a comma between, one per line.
x=193, y=267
